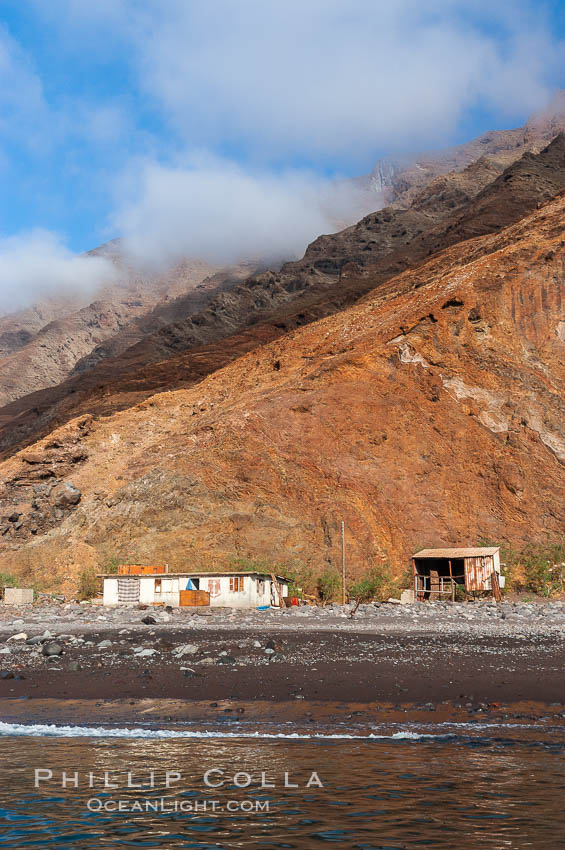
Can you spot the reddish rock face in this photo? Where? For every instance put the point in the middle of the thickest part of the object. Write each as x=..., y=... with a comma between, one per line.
x=430, y=413
x=222, y=320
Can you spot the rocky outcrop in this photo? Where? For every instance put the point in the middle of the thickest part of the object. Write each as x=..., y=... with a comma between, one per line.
x=65, y=495
x=39, y=492
x=399, y=181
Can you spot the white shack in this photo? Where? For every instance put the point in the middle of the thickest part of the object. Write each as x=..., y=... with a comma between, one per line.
x=218, y=590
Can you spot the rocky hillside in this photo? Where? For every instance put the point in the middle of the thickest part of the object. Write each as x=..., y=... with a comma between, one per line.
x=399, y=181
x=42, y=345
x=335, y=271
x=431, y=412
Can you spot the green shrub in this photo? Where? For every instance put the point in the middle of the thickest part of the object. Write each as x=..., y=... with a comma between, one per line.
x=88, y=584
x=537, y=567
x=329, y=585
x=302, y=581
x=544, y=568
x=393, y=586
x=112, y=565
x=374, y=584
x=7, y=580
x=300, y=575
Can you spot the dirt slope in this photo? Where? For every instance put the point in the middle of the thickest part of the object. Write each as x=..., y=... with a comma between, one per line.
x=432, y=412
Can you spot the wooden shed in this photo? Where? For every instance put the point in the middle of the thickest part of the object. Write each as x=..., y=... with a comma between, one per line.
x=439, y=572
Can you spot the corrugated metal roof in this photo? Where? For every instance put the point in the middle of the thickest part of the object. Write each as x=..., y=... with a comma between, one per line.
x=476, y=552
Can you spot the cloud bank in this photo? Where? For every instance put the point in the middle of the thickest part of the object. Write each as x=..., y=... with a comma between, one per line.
x=216, y=210
x=221, y=126
x=340, y=78
x=37, y=265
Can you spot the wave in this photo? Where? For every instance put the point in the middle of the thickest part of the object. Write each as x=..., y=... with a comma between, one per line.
x=51, y=730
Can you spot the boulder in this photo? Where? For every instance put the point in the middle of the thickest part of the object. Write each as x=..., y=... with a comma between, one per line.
x=185, y=649
x=52, y=649
x=65, y=495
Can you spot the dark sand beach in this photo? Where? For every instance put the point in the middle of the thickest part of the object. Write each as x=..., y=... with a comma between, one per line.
x=463, y=655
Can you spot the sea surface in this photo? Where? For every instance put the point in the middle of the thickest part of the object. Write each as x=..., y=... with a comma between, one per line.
x=410, y=784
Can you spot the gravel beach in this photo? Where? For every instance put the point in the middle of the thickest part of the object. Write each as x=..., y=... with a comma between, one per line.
x=466, y=654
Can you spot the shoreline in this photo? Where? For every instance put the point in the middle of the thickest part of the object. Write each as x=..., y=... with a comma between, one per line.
x=237, y=718
x=461, y=655
x=431, y=654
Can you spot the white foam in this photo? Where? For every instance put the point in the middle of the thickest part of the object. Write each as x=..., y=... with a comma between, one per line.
x=53, y=731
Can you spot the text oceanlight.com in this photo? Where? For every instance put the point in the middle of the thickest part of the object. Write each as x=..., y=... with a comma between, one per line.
x=167, y=805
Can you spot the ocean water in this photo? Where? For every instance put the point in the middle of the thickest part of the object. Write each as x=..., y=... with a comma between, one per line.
x=397, y=785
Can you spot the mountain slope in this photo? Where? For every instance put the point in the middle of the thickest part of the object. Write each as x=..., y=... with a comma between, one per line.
x=335, y=271
x=432, y=412
x=40, y=346
x=399, y=181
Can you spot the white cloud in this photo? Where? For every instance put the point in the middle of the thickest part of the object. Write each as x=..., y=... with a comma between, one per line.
x=340, y=78
x=269, y=84
x=322, y=78
x=214, y=209
x=324, y=81
x=36, y=265
x=22, y=105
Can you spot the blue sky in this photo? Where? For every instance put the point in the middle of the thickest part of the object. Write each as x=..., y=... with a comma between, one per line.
x=106, y=108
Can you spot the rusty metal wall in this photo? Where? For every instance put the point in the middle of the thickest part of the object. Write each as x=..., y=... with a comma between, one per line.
x=478, y=572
